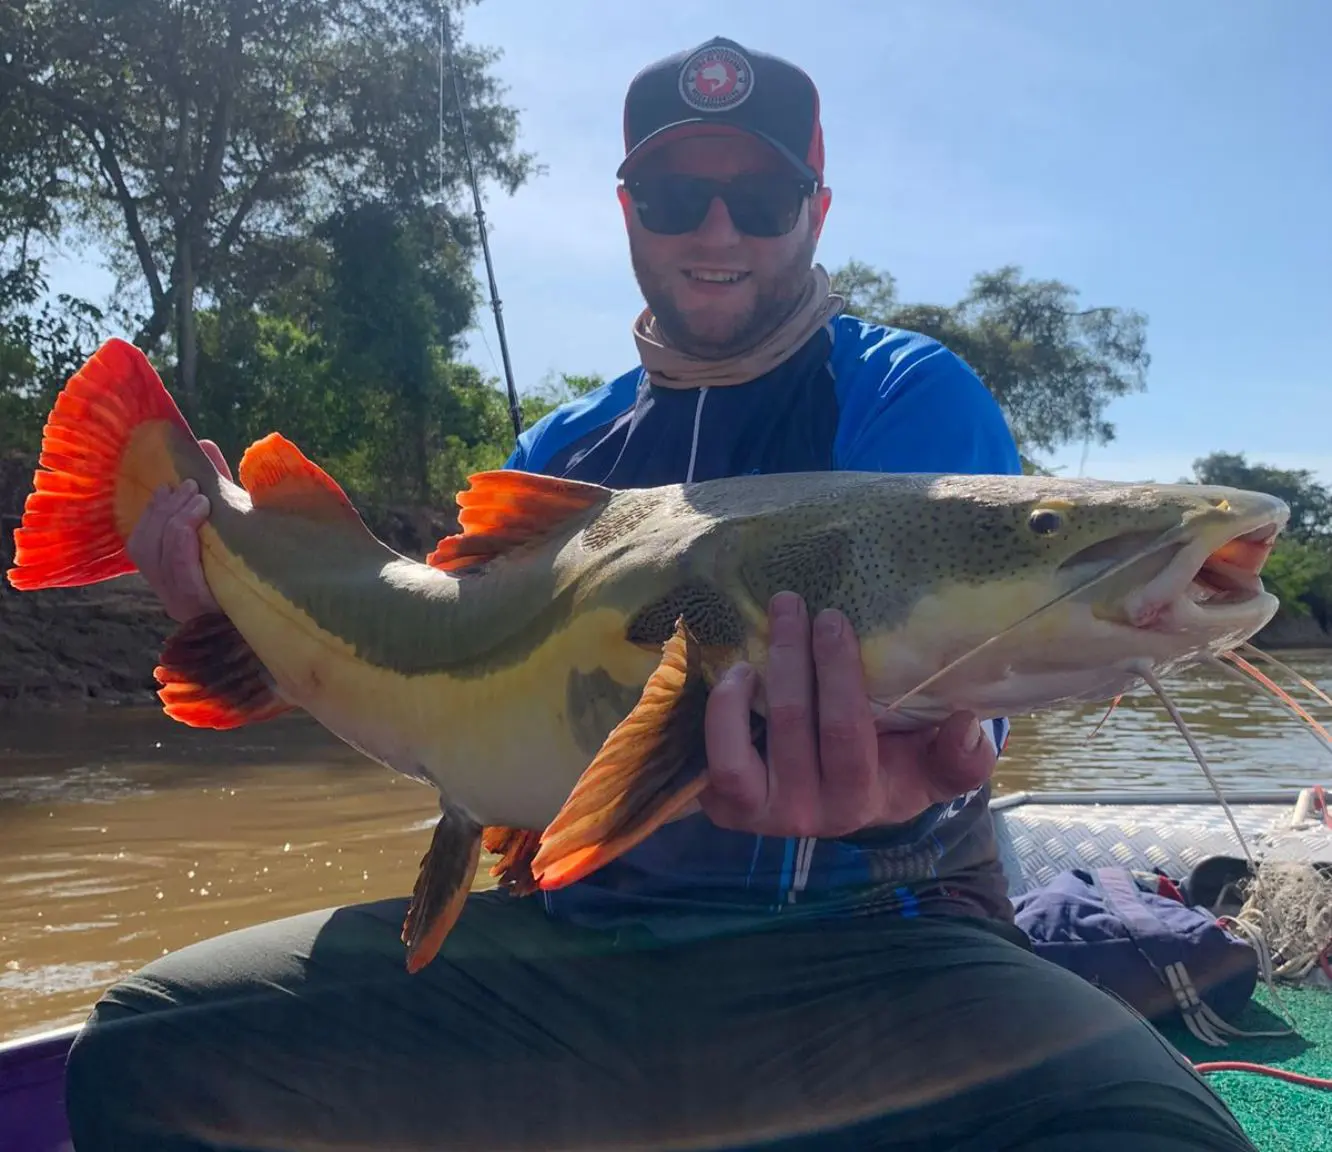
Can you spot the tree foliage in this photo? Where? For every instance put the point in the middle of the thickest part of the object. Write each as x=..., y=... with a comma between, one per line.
x=1054, y=368
x=190, y=136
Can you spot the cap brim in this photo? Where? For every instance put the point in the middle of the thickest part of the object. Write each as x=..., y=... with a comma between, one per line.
x=701, y=126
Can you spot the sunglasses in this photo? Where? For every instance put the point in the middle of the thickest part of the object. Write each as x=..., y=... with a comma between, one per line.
x=759, y=205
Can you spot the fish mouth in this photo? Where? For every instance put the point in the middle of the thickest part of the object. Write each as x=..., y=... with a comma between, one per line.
x=1232, y=574
x=1206, y=582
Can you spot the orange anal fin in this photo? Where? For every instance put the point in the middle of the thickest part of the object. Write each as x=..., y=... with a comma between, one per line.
x=442, y=885
x=506, y=508
x=211, y=677
x=69, y=535
x=647, y=772
x=515, y=847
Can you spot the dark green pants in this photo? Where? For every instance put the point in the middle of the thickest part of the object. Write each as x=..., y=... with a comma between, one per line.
x=528, y=1034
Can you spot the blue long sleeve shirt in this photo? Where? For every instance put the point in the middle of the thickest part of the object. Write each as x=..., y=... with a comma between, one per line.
x=855, y=396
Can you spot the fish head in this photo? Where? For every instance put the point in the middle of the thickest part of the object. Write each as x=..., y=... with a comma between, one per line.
x=1027, y=592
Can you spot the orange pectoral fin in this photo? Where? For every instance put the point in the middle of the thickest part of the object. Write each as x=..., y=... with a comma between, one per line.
x=649, y=770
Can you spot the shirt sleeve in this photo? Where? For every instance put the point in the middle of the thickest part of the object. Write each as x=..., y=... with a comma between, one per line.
x=908, y=404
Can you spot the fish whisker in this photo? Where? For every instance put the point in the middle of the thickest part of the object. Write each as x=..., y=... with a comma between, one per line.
x=1113, y=705
x=1305, y=683
x=1156, y=686
x=1241, y=669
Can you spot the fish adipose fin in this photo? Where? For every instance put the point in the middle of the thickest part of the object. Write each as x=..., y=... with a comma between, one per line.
x=442, y=885
x=505, y=509
x=648, y=771
x=279, y=476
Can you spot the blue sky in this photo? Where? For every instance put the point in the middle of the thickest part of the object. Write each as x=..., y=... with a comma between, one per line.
x=1171, y=157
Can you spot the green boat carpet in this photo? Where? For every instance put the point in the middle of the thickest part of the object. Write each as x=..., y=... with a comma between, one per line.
x=1278, y=1116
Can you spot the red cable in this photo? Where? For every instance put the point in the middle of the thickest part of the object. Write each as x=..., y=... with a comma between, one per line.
x=1264, y=1070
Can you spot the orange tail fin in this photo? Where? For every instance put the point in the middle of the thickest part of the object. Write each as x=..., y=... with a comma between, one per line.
x=79, y=514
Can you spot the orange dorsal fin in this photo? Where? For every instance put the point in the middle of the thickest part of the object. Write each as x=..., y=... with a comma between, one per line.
x=505, y=509
x=280, y=476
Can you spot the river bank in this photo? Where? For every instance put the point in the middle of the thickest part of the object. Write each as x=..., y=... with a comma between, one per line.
x=99, y=645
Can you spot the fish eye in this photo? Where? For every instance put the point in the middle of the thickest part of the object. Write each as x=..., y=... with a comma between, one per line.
x=1045, y=521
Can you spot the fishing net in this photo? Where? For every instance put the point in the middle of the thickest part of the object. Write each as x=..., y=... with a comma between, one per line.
x=1287, y=913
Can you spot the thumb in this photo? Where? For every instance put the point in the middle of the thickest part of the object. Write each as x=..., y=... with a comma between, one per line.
x=214, y=453
x=960, y=756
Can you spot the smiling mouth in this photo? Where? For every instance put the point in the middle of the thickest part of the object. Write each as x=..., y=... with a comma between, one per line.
x=714, y=276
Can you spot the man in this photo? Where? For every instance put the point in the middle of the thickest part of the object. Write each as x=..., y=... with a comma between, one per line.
x=825, y=956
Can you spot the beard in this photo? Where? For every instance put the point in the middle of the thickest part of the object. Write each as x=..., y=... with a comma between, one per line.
x=777, y=293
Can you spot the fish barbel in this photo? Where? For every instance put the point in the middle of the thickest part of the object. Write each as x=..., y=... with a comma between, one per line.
x=546, y=668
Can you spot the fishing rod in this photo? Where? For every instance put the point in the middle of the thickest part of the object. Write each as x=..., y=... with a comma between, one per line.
x=446, y=50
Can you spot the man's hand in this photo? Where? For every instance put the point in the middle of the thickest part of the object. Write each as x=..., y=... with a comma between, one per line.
x=829, y=773
x=165, y=545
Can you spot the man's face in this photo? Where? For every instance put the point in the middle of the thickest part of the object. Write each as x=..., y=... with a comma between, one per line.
x=716, y=291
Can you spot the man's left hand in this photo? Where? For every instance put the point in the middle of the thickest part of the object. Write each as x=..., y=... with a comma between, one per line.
x=828, y=772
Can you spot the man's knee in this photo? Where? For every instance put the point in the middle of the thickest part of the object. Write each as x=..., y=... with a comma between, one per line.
x=104, y=1075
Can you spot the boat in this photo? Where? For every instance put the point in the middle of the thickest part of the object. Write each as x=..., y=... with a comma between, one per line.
x=1041, y=834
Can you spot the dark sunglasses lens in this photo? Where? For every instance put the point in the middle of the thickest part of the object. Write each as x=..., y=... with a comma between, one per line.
x=764, y=209
x=674, y=205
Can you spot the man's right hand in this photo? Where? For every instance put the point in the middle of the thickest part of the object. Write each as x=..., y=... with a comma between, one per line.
x=165, y=544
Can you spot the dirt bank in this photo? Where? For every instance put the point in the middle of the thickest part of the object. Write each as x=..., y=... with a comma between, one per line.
x=99, y=645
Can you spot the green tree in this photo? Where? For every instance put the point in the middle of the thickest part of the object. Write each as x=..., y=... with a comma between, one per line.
x=195, y=134
x=42, y=343
x=1054, y=368
x=352, y=357
x=554, y=391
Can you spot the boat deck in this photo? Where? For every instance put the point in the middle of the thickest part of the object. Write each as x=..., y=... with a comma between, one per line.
x=1043, y=834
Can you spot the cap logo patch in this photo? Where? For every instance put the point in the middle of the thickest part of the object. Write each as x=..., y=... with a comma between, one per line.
x=716, y=79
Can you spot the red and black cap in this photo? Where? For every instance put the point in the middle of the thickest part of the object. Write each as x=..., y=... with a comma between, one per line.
x=722, y=86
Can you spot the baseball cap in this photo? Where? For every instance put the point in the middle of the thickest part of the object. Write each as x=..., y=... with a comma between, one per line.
x=723, y=85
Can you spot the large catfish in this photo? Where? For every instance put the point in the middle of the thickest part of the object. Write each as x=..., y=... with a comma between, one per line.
x=547, y=668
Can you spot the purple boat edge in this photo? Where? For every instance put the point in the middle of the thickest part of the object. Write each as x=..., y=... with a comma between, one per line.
x=32, y=1091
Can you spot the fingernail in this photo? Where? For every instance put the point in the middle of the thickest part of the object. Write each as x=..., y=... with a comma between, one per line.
x=785, y=604
x=737, y=673
x=189, y=485
x=828, y=624
x=198, y=506
x=971, y=738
